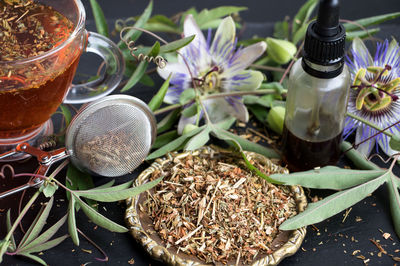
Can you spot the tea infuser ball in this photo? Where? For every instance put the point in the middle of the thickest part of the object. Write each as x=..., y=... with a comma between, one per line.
x=111, y=136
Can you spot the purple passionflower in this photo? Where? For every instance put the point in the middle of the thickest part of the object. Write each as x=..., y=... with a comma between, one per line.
x=215, y=67
x=374, y=94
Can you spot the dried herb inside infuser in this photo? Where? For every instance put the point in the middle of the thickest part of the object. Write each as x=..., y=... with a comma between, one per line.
x=210, y=207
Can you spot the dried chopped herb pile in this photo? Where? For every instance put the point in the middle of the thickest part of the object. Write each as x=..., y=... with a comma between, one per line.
x=215, y=210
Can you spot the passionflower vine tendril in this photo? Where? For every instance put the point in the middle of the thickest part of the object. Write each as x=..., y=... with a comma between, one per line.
x=374, y=95
x=216, y=67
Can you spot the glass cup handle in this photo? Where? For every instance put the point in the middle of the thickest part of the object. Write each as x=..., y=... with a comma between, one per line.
x=114, y=71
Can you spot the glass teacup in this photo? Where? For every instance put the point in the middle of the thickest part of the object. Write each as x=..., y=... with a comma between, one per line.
x=32, y=88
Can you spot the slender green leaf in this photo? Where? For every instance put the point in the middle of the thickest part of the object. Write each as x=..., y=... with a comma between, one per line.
x=250, y=146
x=45, y=236
x=160, y=27
x=395, y=142
x=173, y=145
x=365, y=22
x=300, y=33
x=99, y=219
x=281, y=30
x=187, y=96
x=303, y=15
x=132, y=34
x=361, y=34
x=176, y=45
x=140, y=70
x=37, y=225
x=357, y=158
x=198, y=140
x=3, y=248
x=162, y=19
x=47, y=245
x=191, y=110
x=329, y=177
x=164, y=139
x=12, y=246
x=34, y=257
x=157, y=100
x=168, y=121
x=72, y=222
x=67, y=114
x=394, y=201
x=49, y=189
x=147, y=81
x=120, y=194
x=102, y=189
x=226, y=123
x=259, y=112
x=209, y=15
x=101, y=23
x=329, y=206
x=80, y=181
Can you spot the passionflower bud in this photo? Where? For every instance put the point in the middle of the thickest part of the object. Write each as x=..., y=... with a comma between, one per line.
x=275, y=119
x=280, y=51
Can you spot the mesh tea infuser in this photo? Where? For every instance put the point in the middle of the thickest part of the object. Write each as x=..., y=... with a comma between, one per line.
x=109, y=137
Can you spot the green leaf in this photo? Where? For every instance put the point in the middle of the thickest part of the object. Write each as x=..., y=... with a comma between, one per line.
x=3, y=248
x=132, y=34
x=303, y=15
x=187, y=96
x=72, y=222
x=12, y=246
x=157, y=100
x=173, y=145
x=253, y=99
x=329, y=177
x=361, y=34
x=209, y=15
x=168, y=121
x=159, y=27
x=49, y=189
x=101, y=23
x=395, y=142
x=37, y=225
x=281, y=30
x=119, y=194
x=357, y=158
x=37, y=243
x=300, y=33
x=102, y=189
x=164, y=139
x=250, y=41
x=190, y=111
x=162, y=19
x=47, y=245
x=248, y=145
x=394, y=202
x=259, y=112
x=226, y=123
x=67, y=114
x=80, y=181
x=198, y=140
x=329, y=206
x=34, y=257
x=365, y=22
x=176, y=45
x=146, y=80
x=140, y=70
x=99, y=219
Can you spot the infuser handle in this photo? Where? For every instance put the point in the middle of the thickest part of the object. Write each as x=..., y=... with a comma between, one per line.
x=33, y=183
x=115, y=68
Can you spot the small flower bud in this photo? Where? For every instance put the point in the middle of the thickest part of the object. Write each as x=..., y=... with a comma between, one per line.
x=280, y=51
x=276, y=118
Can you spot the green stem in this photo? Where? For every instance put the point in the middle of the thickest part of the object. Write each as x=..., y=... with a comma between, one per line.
x=21, y=215
x=217, y=95
x=369, y=124
x=357, y=158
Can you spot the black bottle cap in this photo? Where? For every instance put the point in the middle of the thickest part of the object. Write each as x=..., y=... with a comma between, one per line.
x=325, y=37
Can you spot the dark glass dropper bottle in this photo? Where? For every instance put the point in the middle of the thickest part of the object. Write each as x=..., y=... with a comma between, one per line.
x=317, y=94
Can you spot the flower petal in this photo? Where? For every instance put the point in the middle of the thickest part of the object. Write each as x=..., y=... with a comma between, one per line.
x=245, y=80
x=361, y=55
x=222, y=108
x=244, y=57
x=364, y=132
x=196, y=53
x=223, y=44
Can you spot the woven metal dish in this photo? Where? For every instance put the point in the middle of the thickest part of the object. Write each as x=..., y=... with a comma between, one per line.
x=139, y=222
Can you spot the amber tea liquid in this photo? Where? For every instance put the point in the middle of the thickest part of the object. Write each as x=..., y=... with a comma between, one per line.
x=301, y=155
x=31, y=92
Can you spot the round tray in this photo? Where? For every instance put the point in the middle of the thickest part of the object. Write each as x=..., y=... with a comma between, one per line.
x=140, y=224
